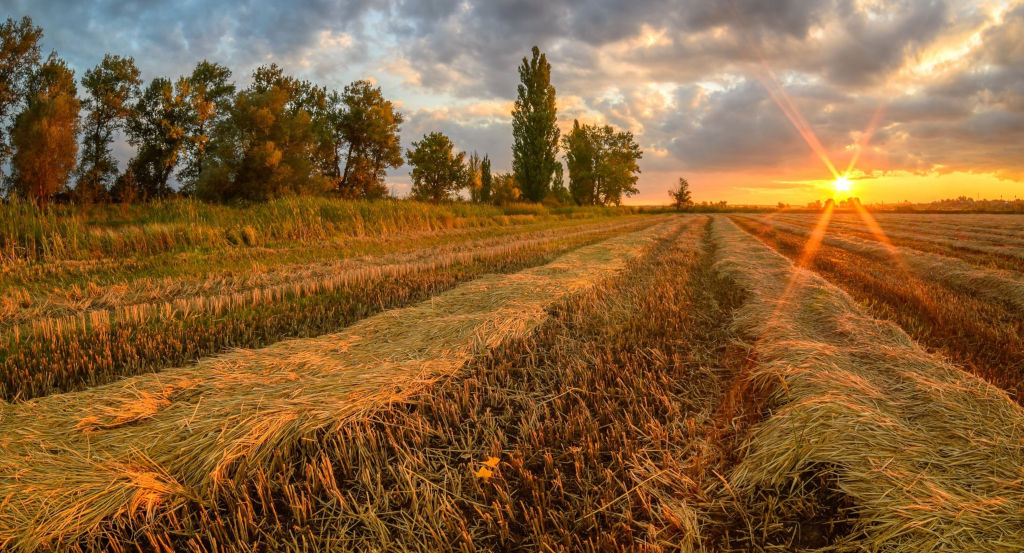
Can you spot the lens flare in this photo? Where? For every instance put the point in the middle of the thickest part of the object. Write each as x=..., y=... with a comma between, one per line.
x=842, y=185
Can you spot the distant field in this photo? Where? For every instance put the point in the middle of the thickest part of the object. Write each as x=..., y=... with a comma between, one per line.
x=318, y=375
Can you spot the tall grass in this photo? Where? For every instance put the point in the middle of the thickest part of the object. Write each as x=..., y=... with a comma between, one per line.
x=74, y=233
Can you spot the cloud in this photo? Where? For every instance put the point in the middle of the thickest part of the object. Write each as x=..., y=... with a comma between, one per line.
x=686, y=76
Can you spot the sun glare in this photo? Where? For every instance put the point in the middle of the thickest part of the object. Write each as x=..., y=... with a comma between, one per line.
x=842, y=185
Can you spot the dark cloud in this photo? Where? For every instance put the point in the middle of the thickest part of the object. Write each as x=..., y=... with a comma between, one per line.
x=687, y=76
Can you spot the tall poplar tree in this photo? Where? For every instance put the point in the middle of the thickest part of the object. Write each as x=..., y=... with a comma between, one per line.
x=534, y=128
x=485, y=179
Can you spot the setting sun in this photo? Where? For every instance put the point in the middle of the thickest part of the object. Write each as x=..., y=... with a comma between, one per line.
x=842, y=185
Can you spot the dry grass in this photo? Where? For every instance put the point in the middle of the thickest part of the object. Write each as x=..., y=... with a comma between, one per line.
x=148, y=444
x=23, y=304
x=995, y=285
x=923, y=456
x=981, y=332
x=986, y=253
x=95, y=347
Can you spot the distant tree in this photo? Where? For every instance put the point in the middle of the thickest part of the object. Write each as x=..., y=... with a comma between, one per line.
x=210, y=92
x=619, y=169
x=474, y=177
x=111, y=87
x=581, y=159
x=559, y=193
x=534, y=128
x=505, y=189
x=19, y=60
x=437, y=171
x=265, y=148
x=157, y=128
x=681, y=198
x=486, y=181
x=602, y=164
x=367, y=131
x=45, y=134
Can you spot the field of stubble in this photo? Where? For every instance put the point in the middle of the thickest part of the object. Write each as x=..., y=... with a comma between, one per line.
x=517, y=380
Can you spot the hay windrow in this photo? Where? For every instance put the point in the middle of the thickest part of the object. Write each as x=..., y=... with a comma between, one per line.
x=931, y=457
x=65, y=458
x=996, y=285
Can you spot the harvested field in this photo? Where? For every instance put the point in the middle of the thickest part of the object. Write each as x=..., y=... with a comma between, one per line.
x=986, y=251
x=92, y=346
x=969, y=314
x=617, y=383
x=130, y=446
x=919, y=456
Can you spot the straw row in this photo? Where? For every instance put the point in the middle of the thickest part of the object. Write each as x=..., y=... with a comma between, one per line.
x=139, y=301
x=69, y=462
x=929, y=457
x=992, y=246
x=995, y=285
x=83, y=352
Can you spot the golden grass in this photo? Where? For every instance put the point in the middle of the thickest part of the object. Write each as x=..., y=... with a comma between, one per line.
x=931, y=458
x=18, y=306
x=70, y=462
x=138, y=302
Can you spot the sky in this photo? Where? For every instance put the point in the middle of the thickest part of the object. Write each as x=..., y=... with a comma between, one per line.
x=753, y=101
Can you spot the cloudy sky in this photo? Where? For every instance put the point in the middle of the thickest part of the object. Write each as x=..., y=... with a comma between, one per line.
x=752, y=100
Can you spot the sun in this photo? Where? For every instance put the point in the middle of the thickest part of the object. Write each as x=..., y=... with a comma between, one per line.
x=842, y=185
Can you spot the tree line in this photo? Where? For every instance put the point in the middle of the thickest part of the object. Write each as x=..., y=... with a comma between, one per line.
x=201, y=135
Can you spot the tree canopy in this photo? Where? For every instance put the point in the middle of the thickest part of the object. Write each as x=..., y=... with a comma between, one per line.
x=681, y=194
x=535, y=128
x=45, y=134
x=265, y=147
x=111, y=87
x=602, y=164
x=437, y=170
x=19, y=59
x=367, y=130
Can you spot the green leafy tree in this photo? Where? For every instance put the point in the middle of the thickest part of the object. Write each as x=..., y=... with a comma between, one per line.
x=680, y=195
x=581, y=159
x=45, y=134
x=505, y=189
x=437, y=171
x=618, y=170
x=603, y=164
x=534, y=128
x=368, y=133
x=19, y=60
x=485, y=179
x=111, y=87
x=474, y=177
x=210, y=92
x=266, y=147
x=157, y=129
x=559, y=193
